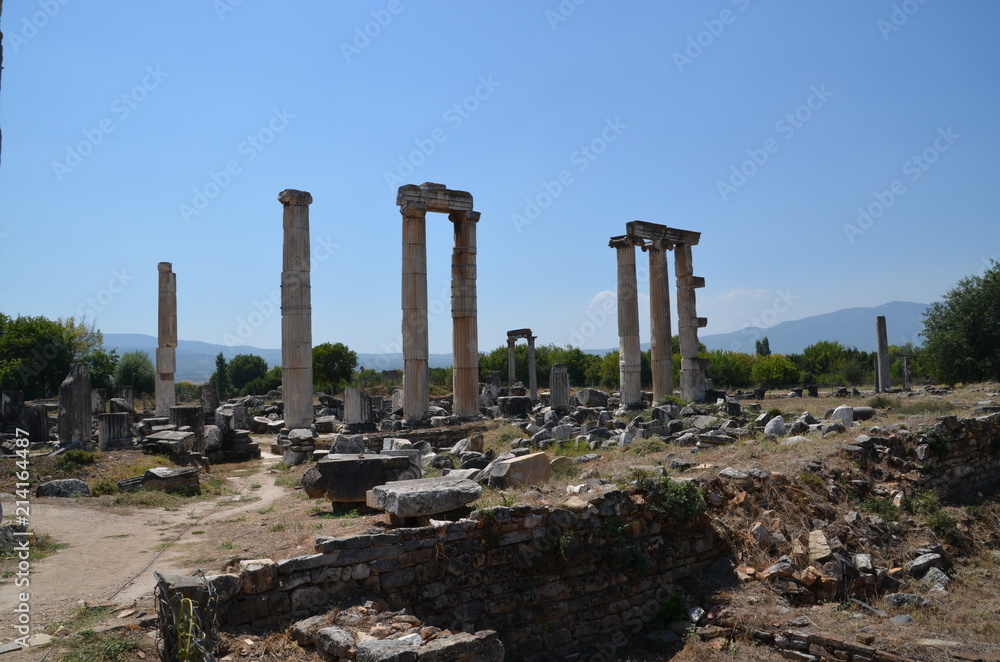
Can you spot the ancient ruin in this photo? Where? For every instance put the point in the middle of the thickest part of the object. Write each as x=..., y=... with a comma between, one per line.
x=296, y=311
x=414, y=203
x=512, y=337
x=166, y=351
x=882, y=377
x=74, y=407
x=656, y=240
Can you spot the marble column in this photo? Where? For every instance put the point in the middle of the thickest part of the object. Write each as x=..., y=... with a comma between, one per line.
x=661, y=354
x=166, y=360
x=692, y=368
x=416, y=389
x=511, y=376
x=630, y=360
x=532, y=372
x=296, y=311
x=74, y=407
x=883, y=355
x=559, y=386
x=464, y=315
x=907, y=383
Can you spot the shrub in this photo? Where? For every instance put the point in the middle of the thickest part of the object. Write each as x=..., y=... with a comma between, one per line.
x=642, y=447
x=679, y=502
x=775, y=370
x=73, y=459
x=103, y=486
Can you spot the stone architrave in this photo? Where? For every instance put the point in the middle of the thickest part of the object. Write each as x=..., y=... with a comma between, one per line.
x=74, y=406
x=414, y=203
x=166, y=350
x=98, y=401
x=559, y=386
x=114, y=431
x=296, y=311
x=630, y=358
x=883, y=355
x=190, y=416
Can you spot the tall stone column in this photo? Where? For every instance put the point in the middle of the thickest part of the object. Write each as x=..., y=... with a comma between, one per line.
x=511, y=376
x=166, y=359
x=630, y=360
x=692, y=368
x=296, y=311
x=661, y=354
x=883, y=355
x=74, y=407
x=464, y=315
x=416, y=390
x=532, y=372
x=559, y=386
x=907, y=384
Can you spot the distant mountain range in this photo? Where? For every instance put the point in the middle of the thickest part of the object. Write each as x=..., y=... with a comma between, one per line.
x=853, y=327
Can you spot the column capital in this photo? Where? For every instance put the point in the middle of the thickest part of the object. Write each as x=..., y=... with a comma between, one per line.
x=624, y=241
x=511, y=342
x=463, y=216
x=293, y=197
x=165, y=266
x=658, y=245
x=413, y=209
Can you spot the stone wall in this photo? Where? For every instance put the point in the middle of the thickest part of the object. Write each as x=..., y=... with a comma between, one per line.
x=959, y=457
x=553, y=582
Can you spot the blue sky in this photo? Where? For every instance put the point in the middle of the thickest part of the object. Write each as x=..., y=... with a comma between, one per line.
x=136, y=133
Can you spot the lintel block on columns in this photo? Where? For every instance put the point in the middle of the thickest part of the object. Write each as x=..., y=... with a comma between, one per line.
x=436, y=197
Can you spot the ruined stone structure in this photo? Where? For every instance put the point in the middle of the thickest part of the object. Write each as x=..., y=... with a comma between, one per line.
x=414, y=203
x=114, y=431
x=559, y=386
x=166, y=351
x=882, y=361
x=512, y=337
x=296, y=311
x=656, y=239
x=74, y=406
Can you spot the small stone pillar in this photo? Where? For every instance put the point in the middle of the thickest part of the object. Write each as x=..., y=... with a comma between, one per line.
x=416, y=390
x=127, y=393
x=559, y=386
x=241, y=418
x=532, y=371
x=11, y=410
x=878, y=386
x=630, y=359
x=98, y=401
x=464, y=315
x=907, y=383
x=36, y=423
x=114, y=431
x=661, y=345
x=692, y=368
x=187, y=608
x=190, y=416
x=166, y=351
x=74, y=406
x=357, y=407
x=882, y=382
x=296, y=311
x=511, y=376
x=209, y=402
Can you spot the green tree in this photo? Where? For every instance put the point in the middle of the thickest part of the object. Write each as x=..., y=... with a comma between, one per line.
x=763, y=346
x=333, y=365
x=822, y=358
x=187, y=392
x=775, y=370
x=262, y=385
x=136, y=369
x=733, y=369
x=220, y=378
x=244, y=368
x=963, y=330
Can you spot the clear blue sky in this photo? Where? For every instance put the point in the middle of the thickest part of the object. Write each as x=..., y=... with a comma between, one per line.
x=116, y=115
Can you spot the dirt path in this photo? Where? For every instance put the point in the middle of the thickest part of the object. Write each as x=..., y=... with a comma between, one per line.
x=111, y=553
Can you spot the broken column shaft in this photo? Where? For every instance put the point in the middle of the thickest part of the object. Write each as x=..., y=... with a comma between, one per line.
x=166, y=360
x=296, y=311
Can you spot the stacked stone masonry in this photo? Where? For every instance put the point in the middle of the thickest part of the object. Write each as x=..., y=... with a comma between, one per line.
x=960, y=458
x=554, y=583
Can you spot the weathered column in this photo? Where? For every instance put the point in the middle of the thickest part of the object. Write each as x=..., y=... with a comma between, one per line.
x=688, y=323
x=191, y=416
x=661, y=354
x=296, y=311
x=883, y=354
x=98, y=401
x=532, y=372
x=464, y=315
x=907, y=383
x=878, y=387
x=74, y=406
x=559, y=386
x=511, y=376
x=166, y=360
x=416, y=390
x=36, y=423
x=209, y=402
x=11, y=410
x=630, y=360
x=127, y=393
x=114, y=431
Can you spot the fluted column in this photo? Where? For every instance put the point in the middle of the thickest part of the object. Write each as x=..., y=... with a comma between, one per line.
x=661, y=354
x=692, y=368
x=630, y=360
x=511, y=376
x=465, y=334
x=296, y=311
x=416, y=393
x=532, y=372
x=166, y=359
x=559, y=386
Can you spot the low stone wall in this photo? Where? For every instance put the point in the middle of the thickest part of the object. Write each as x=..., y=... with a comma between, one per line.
x=553, y=583
x=959, y=457
x=436, y=437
